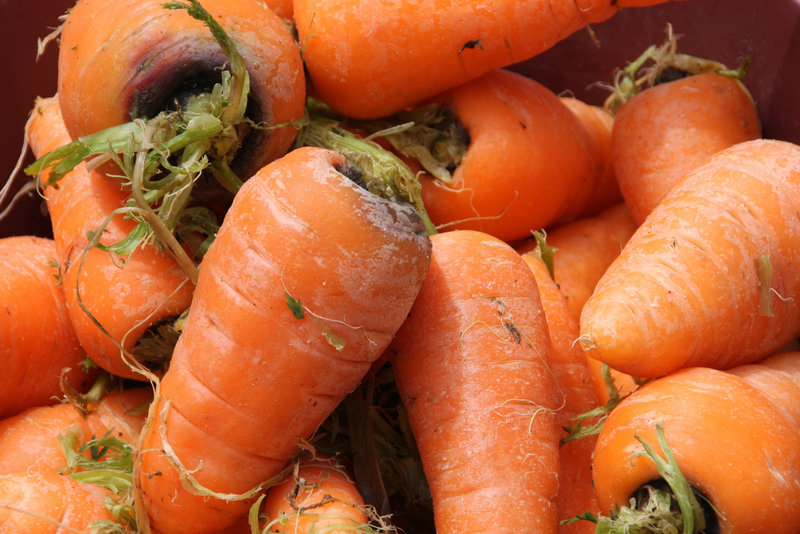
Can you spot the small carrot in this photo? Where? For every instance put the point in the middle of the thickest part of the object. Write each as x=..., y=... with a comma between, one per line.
x=709, y=278
x=319, y=496
x=305, y=284
x=370, y=60
x=667, y=126
x=472, y=365
x=575, y=395
x=117, y=305
x=743, y=480
x=504, y=155
x=38, y=339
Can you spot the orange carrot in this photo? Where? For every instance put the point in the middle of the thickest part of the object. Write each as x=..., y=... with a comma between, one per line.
x=664, y=130
x=748, y=477
x=319, y=496
x=575, y=395
x=307, y=281
x=38, y=340
x=369, y=59
x=115, y=303
x=709, y=279
x=472, y=367
x=45, y=502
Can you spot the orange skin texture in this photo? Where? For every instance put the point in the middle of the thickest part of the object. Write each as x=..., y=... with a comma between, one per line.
x=302, y=498
x=598, y=124
x=47, y=494
x=584, y=249
x=685, y=290
x=29, y=440
x=526, y=163
x=575, y=395
x=669, y=129
x=370, y=59
x=248, y=381
x=472, y=366
x=112, y=52
x=38, y=339
x=114, y=293
x=709, y=419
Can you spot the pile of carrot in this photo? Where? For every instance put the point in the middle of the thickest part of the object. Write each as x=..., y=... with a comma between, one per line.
x=333, y=267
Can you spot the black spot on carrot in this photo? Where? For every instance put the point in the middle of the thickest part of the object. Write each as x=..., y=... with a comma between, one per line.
x=513, y=331
x=472, y=45
x=524, y=126
x=353, y=173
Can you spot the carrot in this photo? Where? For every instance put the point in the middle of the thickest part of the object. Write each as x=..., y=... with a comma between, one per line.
x=582, y=251
x=45, y=502
x=306, y=282
x=472, y=367
x=369, y=60
x=669, y=126
x=709, y=278
x=30, y=440
x=733, y=436
x=132, y=59
x=319, y=496
x=575, y=395
x=38, y=340
x=509, y=157
x=116, y=304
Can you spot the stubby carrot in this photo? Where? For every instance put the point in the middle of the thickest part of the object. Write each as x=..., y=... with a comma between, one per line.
x=370, y=59
x=305, y=284
x=116, y=303
x=574, y=395
x=472, y=365
x=38, y=340
x=745, y=480
x=710, y=278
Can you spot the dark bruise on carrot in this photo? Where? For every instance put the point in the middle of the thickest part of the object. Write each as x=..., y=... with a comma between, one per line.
x=112, y=301
x=38, y=342
x=472, y=365
x=249, y=380
x=747, y=479
x=686, y=291
x=422, y=51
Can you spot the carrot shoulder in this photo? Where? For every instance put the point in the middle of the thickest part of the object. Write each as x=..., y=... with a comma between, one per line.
x=307, y=281
x=710, y=278
x=472, y=367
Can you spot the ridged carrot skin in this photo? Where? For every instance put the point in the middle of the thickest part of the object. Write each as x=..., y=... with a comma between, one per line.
x=249, y=380
x=128, y=59
x=667, y=130
x=371, y=59
x=709, y=416
x=711, y=277
x=472, y=365
x=124, y=297
x=38, y=340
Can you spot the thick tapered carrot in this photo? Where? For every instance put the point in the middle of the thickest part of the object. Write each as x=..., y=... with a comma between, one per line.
x=45, y=502
x=710, y=278
x=37, y=340
x=307, y=281
x=733, y=435
x=115, y=303
x=574, y=395
x=131, y=59
x=370, y=59
x=29, y=440
x=472, y=365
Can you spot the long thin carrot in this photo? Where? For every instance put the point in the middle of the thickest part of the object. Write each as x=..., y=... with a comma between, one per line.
x=472, y=367
x=38, y=340
x=575, y=395
x=734, y=436
x=116, y=303
x=307, y=281
x=710, y=278
x=369, y=59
